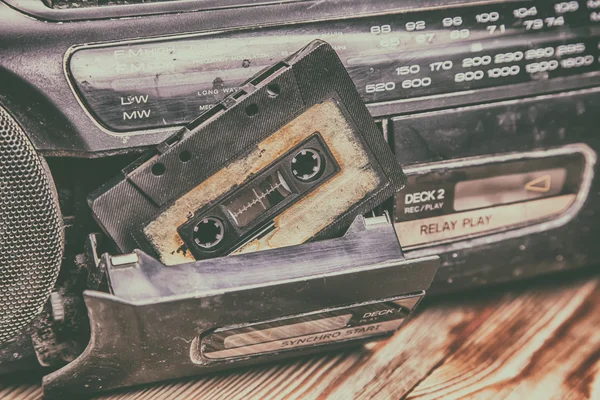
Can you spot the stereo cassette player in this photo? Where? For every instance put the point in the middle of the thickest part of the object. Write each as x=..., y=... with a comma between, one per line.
x=170, y=154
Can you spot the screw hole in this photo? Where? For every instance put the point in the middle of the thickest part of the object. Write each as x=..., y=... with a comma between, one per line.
x=273, y=90
x=185, y=156
x=158, y=169
x=252, y=110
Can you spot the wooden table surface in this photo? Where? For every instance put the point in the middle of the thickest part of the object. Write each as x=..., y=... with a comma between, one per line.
x=533, y=340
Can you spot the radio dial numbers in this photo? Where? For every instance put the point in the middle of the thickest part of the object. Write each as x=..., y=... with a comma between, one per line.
x=525, y=12
x=576, y=62
x=381, y=29
x=468, y=76
x=441, y=65
x=408, y=70
x=495, y=29
x=487, y=17
x=534, y=54
x=476, y=61
x=389, y=42
x=415, y=26
x=508, y=57
x=452, y=22
x=542, y=66
x=416, y=83
x=425, y=38
x=373, y=46
x=503, y=72
x=380, y=87
x=515, y=65
x=539, y=23
x=460, y=34
x=566, y=6
x=570, y=49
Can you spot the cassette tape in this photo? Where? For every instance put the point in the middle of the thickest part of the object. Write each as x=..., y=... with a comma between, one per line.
x=292, y=156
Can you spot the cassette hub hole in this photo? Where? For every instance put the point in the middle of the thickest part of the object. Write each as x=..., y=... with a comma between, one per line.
x=252, y=110
x=158, y=169
x=185, y=156
x=208, y=233
x=307, y=165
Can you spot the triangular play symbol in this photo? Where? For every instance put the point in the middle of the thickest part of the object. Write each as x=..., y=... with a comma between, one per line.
x=540, y=185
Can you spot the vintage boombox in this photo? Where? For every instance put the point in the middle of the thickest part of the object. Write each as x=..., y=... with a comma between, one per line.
x=312, y=160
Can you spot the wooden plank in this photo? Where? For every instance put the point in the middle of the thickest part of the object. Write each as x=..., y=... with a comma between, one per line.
x=539, y=342
x=541, y=345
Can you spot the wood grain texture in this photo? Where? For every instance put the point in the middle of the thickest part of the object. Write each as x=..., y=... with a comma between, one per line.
x=534, y=341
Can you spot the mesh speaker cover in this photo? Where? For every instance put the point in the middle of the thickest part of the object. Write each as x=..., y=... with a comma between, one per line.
x=31, y=236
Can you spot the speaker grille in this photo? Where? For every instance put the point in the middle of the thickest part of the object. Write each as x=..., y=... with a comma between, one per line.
x=31, y=237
